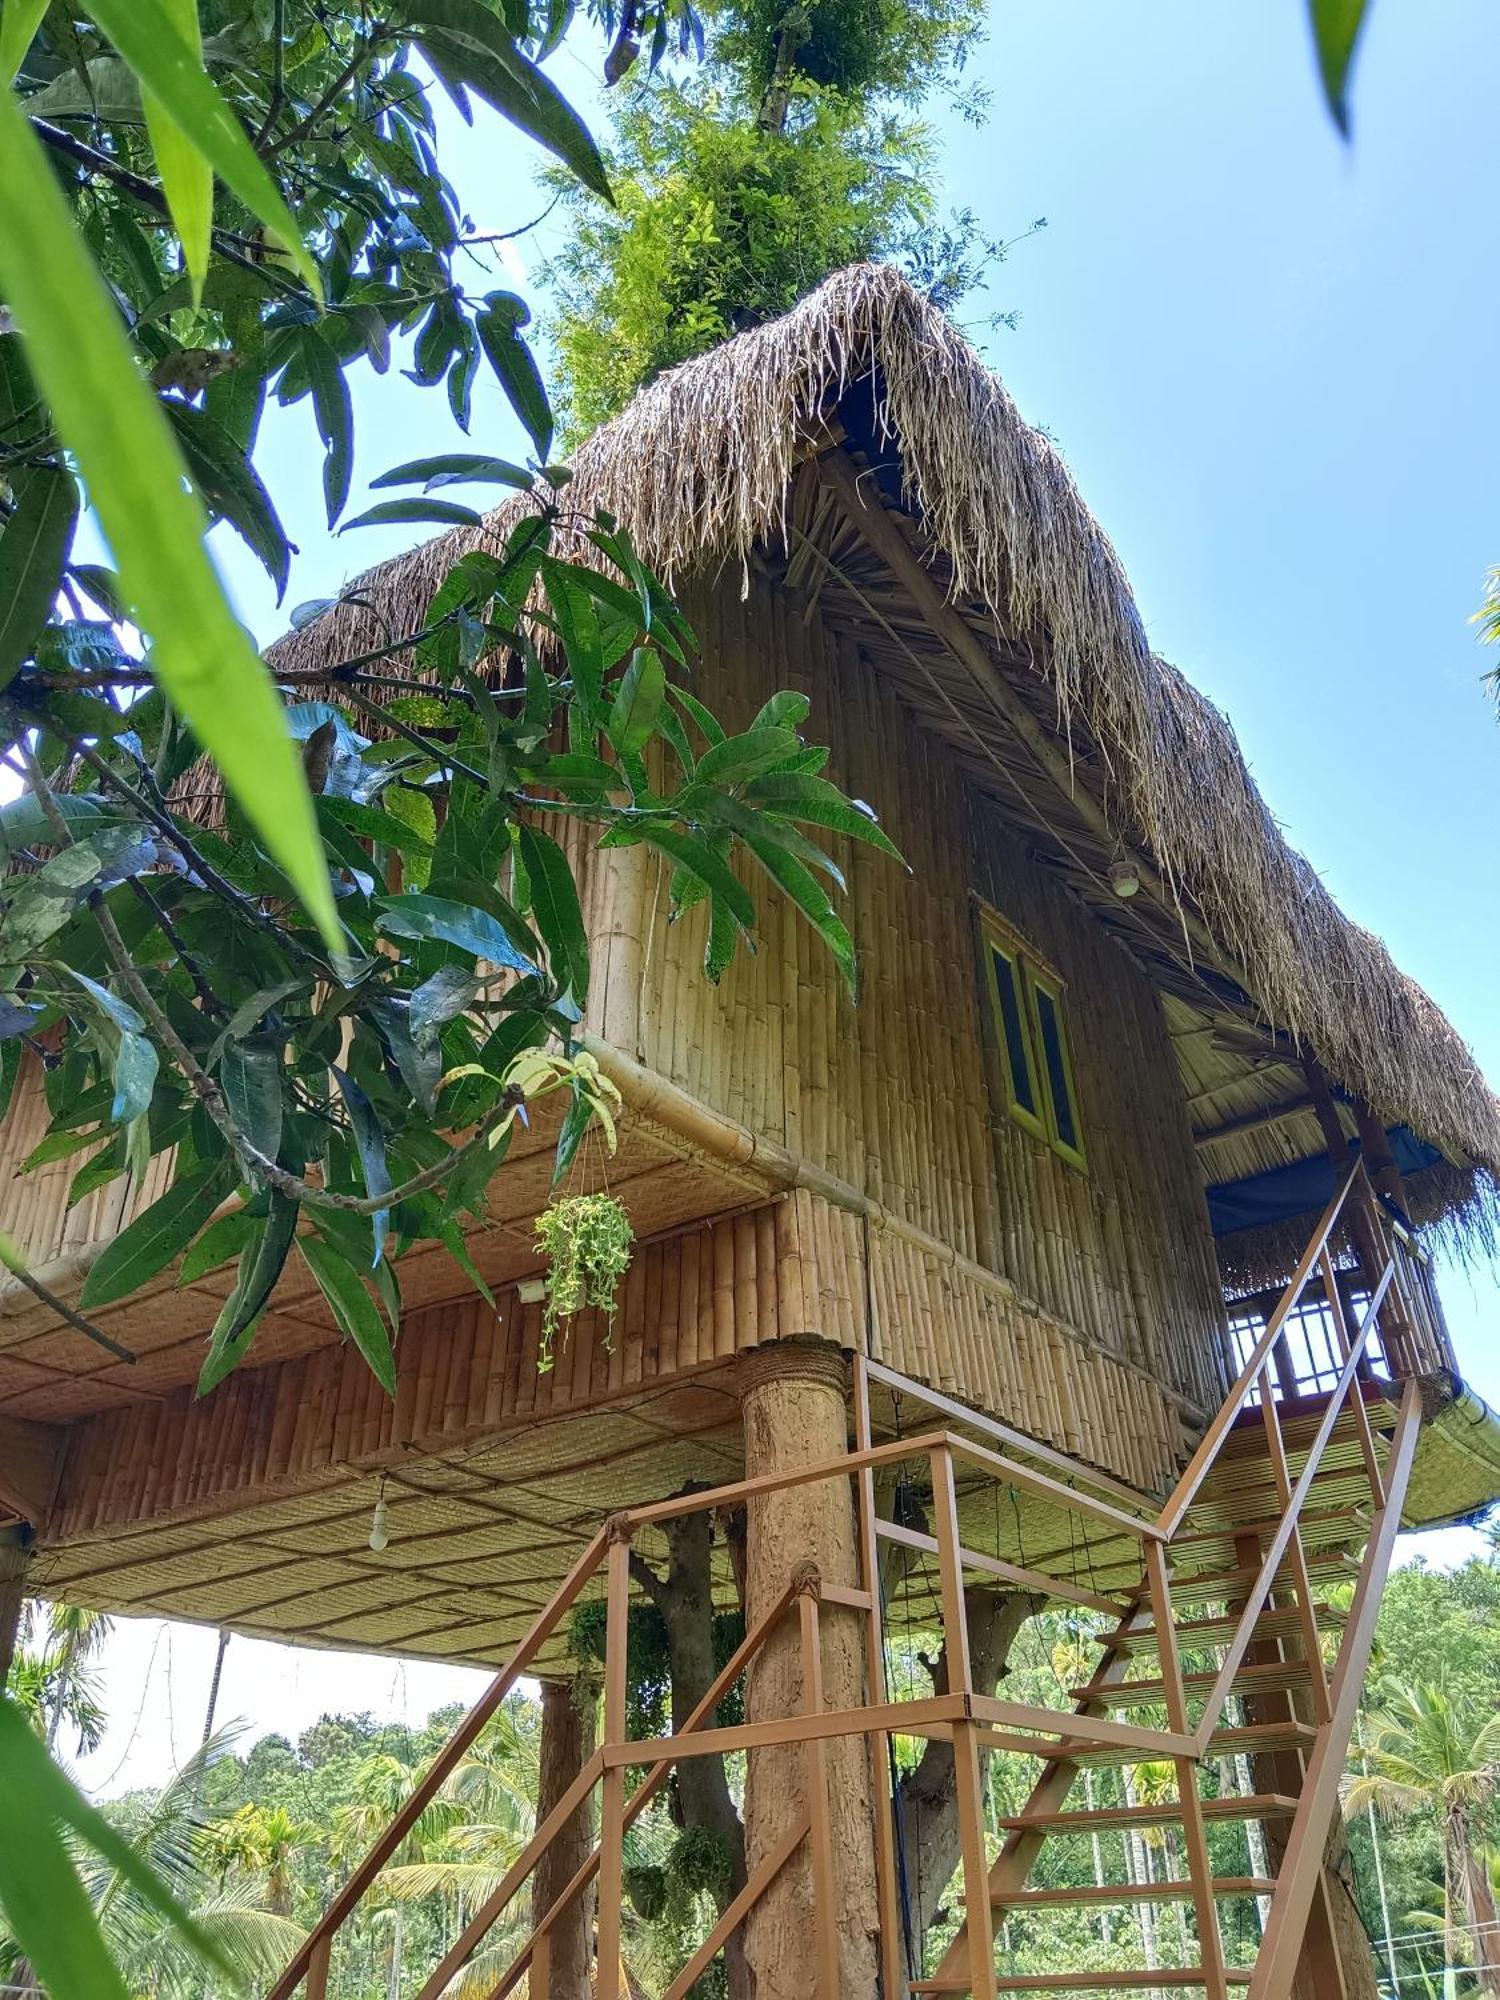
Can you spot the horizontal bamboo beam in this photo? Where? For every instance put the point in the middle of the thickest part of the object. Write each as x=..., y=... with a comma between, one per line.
x=1251, y=1121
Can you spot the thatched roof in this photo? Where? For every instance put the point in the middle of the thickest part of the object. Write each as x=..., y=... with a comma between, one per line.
x=701, y=467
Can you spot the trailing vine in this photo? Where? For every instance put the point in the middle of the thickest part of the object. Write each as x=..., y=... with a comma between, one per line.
x=587, y=1240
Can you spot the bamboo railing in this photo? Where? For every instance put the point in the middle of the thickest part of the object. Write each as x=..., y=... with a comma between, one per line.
x=972, y=1720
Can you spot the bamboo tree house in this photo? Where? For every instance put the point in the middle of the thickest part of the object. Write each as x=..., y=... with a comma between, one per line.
x=1085, y=1260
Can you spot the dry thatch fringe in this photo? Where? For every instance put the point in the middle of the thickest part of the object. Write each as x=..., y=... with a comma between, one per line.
x=699, y=468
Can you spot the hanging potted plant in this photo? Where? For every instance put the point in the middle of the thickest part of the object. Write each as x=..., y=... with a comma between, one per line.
x=587, y=1241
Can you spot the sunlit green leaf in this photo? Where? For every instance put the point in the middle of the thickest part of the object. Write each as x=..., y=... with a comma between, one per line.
x=1336, y=26
x=355, y=1311
x=187, y=177
x=155, y=526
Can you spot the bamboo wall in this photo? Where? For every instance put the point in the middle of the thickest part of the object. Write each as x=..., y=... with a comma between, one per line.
x=893, y=1095
x=690, y=1302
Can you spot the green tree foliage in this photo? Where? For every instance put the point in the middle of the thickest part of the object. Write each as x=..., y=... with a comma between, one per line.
x=795, y=147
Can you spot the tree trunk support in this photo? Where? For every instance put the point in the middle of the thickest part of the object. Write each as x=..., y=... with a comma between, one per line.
x=569, y=1728
x=793, y=1407
x=15, y=1560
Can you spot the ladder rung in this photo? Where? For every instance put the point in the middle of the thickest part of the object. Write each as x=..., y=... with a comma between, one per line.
x=1131, y=1892
x=1264, y=1677
x=1255, y=1805
x=1274, y=1624
x=1085, y=1982
x=1315, y=1525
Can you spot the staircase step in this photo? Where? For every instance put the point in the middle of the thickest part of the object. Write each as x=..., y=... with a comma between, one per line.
x=1129, y=1892
x=1248, y=1740
x=1319, y=1527
x=1256, y=1805
x=1265, y=1677
x=1085, y=1982
x=1197, y=1586
x=1280, y=1622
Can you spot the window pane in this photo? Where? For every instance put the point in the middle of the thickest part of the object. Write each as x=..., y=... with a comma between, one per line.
x=1050, y=1024
x=1013, y=1029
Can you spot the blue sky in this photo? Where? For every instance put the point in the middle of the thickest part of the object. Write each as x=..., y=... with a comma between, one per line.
x=1270, y=361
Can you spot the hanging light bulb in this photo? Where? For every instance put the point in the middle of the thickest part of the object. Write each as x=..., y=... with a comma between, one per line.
x=1124, y=879
x=380, y=1532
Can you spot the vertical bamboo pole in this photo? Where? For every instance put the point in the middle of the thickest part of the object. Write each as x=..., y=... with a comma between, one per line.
x=612, y=1805
x=978, y=1916
x=1194, y=1831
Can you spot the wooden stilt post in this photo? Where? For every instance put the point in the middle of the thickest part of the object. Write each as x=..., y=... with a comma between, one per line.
x=795, y=1415
x=561, y=1961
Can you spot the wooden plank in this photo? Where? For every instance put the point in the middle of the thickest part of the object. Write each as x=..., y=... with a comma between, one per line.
x=1065, y=1723
x=930, y=1717
x=742, y=1490
x=1137, y=1892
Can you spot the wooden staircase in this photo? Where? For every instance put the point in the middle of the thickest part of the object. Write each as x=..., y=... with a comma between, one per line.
x=1294, y=1673
x=1241, y=1615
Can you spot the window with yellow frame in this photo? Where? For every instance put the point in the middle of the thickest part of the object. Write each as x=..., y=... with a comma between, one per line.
x=1031, y=1040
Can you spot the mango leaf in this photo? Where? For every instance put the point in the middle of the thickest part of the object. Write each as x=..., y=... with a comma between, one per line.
x=260, y=1266
x=387, y=826
x=452, y=923
x=498, y=327
x=221, y=1240
x=700, y=860
x=136, y=479
x=638, y=702
x=1336, y=27
x=149, y=36
x=441, y=998
x=555, y=907
x=819, y=803
x=187, y=178
x=19, y=21
x=335, y=418
x=355, y=1311
x=369, y=1138
x=250, y=1076
x=155, y=1237
x=33, y=548
x=740, y=757
x=135, y=1069
x=468, y=44
x=452, y=1238
x=573, y=608
x=47, y=1910
x=451, y=468
x=449, y=512
x=231, y=488
x=575, y=1125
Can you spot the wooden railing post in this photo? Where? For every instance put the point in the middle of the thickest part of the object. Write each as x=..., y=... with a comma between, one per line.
x=882, y=1801
x=969, y=1790
x=1296, y=1555
x=612, y=1803
x=1194, y=1829
x=318, y=1963
x=825, y=1893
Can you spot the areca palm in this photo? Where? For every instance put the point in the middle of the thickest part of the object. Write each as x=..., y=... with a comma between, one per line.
x=1434, y=1752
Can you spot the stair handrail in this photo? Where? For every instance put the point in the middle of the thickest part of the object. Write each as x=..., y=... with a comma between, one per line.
x=1212, y=1443
x=1289, y=1524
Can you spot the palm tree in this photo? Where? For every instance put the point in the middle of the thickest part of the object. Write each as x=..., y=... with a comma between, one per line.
x=260, y=1842
x=62, y=1642
x=1432, y=1751
x=154, y=1959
